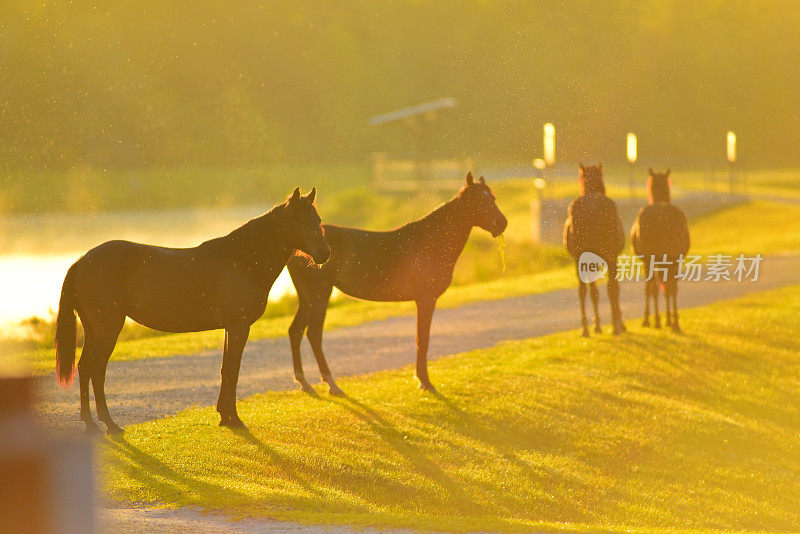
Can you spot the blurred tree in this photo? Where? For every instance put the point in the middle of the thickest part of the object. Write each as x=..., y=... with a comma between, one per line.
x=144, y=83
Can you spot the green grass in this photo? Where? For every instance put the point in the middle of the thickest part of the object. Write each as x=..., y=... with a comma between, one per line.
x=758, y=227
x=97, y=190
x=774, y=182
x=649, y=431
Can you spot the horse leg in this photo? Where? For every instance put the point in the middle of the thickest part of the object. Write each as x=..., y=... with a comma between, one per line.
x=235, y=340
x=613, y=297
x=655, y=289
x=675, y=326
x=296, y=331
x=316, y=324
x=582, y=297
x=102, y=350
x=667, y=311
x=425, y=309
x=595, y=295
x=85, y=372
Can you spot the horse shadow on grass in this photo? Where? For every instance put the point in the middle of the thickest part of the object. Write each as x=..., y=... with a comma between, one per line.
x=410, y=452
x=508, y=442
x=162, y=479
x=289, y=468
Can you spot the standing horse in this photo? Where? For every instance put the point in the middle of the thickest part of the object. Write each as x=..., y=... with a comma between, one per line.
x=660, y=236
x=222, y=283
x=593, y=225
x=414, y=262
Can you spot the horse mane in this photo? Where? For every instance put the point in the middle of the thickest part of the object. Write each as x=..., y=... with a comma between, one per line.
x=254, y=229
x=247, y=236
x=592, y=185
x=591, y=180
x=658, y=190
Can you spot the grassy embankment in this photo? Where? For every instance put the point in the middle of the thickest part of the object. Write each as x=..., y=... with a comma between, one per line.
x=647, y=432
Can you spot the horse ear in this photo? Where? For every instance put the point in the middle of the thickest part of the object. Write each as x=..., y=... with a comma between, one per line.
x=668, y=171
x=481, y=180
x=295, y=194
x=311, y=196
x=600, y=166
x=580, y=168
x=470, y=179
x=650, y=170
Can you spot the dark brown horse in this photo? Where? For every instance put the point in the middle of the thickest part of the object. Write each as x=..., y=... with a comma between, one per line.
x=660, y=236
x=222, y=283
x=414, y=262
x=593, y=226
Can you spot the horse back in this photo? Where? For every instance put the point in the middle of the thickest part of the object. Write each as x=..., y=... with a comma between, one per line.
x=380, y=266
x=169, y=289
x=660, y=229
x=593, y=225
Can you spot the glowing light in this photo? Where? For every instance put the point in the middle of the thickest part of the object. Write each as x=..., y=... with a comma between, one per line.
x=539, y=163
x=549, y=143
x=539, y=183
x=632, y=148
x=731, y=147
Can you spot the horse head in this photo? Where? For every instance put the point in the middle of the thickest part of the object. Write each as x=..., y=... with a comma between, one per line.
x=658, y=186
x=591, y=179
x=304, y=226
x=481, y=209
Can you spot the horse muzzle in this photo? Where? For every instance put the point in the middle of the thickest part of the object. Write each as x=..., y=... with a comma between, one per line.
x=321, y=256
x=499, y=227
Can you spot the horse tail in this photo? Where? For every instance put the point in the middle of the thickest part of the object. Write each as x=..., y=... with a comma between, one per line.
x=66, y=330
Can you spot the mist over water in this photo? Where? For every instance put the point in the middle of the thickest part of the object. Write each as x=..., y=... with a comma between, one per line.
x=37, y=250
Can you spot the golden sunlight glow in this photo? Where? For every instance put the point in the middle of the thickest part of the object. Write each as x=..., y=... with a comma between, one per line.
x=731, y=147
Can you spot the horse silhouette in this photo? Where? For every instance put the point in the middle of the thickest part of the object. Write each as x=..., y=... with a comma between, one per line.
x=414, y=262
x=660, y=236
x=593, y=225
x=222, y=283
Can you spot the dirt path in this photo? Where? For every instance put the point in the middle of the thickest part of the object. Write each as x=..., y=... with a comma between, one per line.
x=188, y=521
x=146, y=389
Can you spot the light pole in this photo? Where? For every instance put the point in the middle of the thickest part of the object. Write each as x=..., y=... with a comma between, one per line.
x=549, y=143
x=631, y=153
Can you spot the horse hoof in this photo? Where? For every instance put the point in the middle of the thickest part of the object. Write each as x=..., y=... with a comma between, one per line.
x=623, y=327
x=598, y=330
x=646, y=323
x=335, y=390
x=585, y=333
x=677, y=329
x=306, y=387
x=92, y=428
x=427, y=386
x=232, y=421
x=113, y=428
